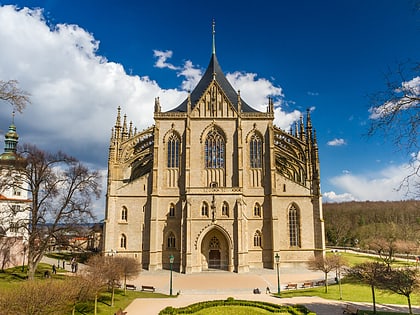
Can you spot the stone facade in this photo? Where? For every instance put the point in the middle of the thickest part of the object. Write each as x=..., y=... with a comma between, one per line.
x=215, y=184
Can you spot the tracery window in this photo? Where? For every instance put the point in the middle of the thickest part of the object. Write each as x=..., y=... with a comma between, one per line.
x=171, y=240
x=123, y=241
x=214, y=150
x=257, y=239
x=124, y=213
x=173, y=151
x=255, y=152
x=294, y=227
x=214, y=242
x=257, y=210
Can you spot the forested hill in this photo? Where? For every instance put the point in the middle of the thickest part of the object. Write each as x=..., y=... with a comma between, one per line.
x=358, y=223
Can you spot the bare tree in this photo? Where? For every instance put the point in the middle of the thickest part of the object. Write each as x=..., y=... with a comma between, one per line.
x=104, y=272
x=402, y=281
x=395, y=113
x=12, y=94
x=369, y=273
x=326, y=265
x=61, y=189
x=385, y=248
x=130, y=268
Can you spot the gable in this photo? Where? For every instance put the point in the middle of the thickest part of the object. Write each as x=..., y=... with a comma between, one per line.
x=214, y=103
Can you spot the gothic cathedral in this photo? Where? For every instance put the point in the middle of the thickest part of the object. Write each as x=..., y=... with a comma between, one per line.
x=214, y=184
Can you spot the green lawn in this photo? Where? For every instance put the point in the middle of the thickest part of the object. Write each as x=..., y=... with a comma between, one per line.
x=353, y=292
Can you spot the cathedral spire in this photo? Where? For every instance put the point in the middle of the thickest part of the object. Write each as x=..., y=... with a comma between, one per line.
x=214, y=37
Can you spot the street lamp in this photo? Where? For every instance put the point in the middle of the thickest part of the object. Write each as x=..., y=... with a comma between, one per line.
x=171, y=261
x=277, y=257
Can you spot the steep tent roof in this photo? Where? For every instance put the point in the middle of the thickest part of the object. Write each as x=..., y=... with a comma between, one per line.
x=214, y=72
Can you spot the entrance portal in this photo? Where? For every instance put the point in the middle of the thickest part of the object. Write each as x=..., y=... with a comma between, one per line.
x=215, y=251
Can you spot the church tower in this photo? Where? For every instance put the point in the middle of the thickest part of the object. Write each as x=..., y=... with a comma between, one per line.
x=215, y=184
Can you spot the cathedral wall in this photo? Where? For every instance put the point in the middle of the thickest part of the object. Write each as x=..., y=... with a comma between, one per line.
x=126, y=209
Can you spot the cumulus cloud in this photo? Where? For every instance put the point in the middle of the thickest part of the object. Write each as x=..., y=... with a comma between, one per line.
x=74, y=91
x=331, y=196
x=162, y=56
x=385, y=184
x=336, y=142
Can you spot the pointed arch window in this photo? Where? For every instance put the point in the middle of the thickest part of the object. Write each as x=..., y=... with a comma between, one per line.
x=255, y=151
x=173, y=151
x=171, y=240
x=257, y=210
x=214, y=150
x=124, y=213
x=225, y=209
x=123, y=241
x=294, y=226
x=257, y=239
x=172, y=210
x=205, y=209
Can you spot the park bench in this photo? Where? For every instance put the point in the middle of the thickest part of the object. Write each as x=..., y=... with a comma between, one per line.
x=130, y=287
x=307, y=284
x=350, y=309
x=147, y=288
x=320, y=282
x=291, y=286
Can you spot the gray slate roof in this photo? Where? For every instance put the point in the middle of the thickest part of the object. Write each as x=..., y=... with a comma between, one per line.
x=206, y=80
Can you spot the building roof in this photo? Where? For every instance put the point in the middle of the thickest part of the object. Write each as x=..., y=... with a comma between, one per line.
x=214, y=72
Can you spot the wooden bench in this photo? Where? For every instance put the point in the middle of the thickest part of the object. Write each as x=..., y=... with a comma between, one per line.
x=350, y=309
x=308, y=284
x=130, y=287
x=320, y=282
x=147, y=288
x=291, y=286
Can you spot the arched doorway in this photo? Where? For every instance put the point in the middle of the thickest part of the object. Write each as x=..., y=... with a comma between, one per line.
x=215, y=251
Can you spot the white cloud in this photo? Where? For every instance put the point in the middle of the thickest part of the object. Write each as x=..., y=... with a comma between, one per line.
x=191, y=74
x=382, y=185
x=331, y=196
x=162, y=56
x=336, y=142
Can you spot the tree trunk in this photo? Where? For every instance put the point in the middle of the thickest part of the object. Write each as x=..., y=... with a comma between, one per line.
x=96, y=304
x=326, y=282
x=410, y=311
x=112, y=295
x=125, y=284
x=33, y=262
x=373, y=298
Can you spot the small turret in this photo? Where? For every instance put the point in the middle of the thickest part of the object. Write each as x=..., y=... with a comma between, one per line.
x=10, y=155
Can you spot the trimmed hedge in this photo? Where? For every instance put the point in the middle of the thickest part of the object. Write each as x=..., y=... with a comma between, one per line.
x=269, y=307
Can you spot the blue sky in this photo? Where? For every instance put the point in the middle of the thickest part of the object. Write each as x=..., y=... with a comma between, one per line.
x=80, y=60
